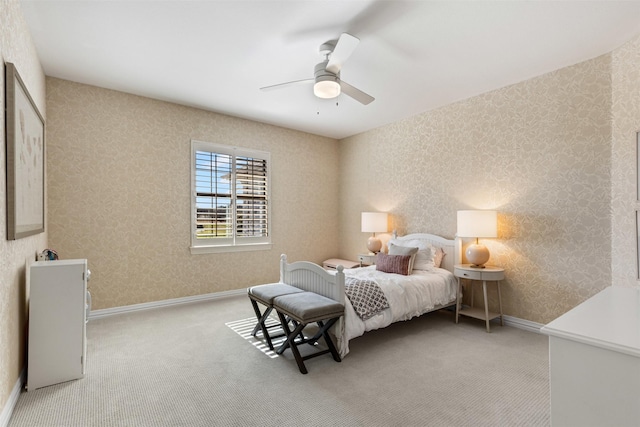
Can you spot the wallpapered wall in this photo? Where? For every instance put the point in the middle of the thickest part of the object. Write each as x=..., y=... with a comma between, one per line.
x=538, y=152
x=119, y=194
x=626, y=122
x=16, y=47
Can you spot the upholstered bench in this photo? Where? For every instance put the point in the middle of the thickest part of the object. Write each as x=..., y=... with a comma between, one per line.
x=265, y=294
x=304, y=308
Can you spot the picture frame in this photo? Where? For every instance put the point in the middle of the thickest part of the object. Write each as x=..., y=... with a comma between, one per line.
x=638, y=166
x=25, y=140
x=637, y=244
x=637, y=212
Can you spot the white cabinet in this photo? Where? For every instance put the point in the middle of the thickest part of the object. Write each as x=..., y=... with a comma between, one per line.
x=594, y=353
x=57, y=322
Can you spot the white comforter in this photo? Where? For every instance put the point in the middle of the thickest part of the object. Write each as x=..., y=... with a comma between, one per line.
x=408, y=297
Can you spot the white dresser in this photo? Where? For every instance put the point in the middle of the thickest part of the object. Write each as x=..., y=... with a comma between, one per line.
x=57, y=322
x=594, y=353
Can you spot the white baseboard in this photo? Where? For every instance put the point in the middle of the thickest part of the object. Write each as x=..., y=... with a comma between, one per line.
x=96, y=314
x=516, y=322
x=7, y=411
x=527, y=325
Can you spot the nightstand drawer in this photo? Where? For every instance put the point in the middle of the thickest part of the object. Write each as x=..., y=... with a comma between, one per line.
x=367, y=259
x=489, y=273
x=475, y=275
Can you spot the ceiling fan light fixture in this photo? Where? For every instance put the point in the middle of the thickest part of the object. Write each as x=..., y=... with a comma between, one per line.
x=326, y=75
x=326, y=87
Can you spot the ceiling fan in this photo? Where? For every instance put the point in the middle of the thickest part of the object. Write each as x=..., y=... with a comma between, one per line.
x=326, y=81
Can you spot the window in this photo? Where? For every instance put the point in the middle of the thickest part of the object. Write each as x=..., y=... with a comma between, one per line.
x=230, y=209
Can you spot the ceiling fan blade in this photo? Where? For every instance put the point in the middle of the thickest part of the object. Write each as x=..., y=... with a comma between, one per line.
x=356, y=94
x=281, y=85
x=343, y=50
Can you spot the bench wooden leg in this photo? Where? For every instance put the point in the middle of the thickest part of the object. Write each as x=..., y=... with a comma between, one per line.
x=328, y=340
x=323, y=331
x=262, y=318
x=262, y=325
x=290, y=342
x=293, y=344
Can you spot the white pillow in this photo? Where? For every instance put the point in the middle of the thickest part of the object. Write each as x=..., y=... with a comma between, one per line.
x=424, y=258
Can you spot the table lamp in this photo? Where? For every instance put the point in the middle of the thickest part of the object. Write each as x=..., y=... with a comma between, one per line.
x=373, y=222
x=477, y=224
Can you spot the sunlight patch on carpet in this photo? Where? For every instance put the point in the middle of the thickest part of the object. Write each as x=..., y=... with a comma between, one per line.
x=244, y=328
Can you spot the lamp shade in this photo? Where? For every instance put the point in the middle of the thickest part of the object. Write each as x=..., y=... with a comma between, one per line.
x=476, y=223
x=374, y=222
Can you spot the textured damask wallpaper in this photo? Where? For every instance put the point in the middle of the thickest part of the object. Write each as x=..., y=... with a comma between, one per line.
x=626, y=122
x=119, y=194
x=538, y=152
x=16, y=47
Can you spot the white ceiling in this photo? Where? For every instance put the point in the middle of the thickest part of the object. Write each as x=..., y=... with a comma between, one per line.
x=413, y=56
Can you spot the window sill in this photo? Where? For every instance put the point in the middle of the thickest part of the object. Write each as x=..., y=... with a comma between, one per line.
x=197, y=250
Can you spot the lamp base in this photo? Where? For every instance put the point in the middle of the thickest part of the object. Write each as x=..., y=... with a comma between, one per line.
x=374, y=244
x=477, y=255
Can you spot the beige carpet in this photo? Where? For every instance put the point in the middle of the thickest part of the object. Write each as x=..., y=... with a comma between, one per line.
x=187, y=366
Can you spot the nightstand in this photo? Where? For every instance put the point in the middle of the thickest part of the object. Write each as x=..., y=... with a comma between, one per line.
x=367, y=259
x=487, y=274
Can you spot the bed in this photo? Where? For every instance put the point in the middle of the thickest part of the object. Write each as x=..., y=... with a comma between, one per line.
x=425, y=289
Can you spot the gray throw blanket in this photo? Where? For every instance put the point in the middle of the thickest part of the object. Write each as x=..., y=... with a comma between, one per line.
x=365, y=296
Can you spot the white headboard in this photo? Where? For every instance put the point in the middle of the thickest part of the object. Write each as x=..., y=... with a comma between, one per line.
x=451, y=248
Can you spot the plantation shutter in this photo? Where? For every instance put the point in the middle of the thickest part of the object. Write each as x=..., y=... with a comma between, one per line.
x=251, y=197
x=213, y=174
x=231, y=196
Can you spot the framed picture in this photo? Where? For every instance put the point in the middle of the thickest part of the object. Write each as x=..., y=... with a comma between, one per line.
x=638, y=244
x=25, y=159
x=638, y=166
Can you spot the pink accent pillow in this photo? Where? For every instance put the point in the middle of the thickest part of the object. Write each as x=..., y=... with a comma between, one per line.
x=398, y=264
x=404, y=250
